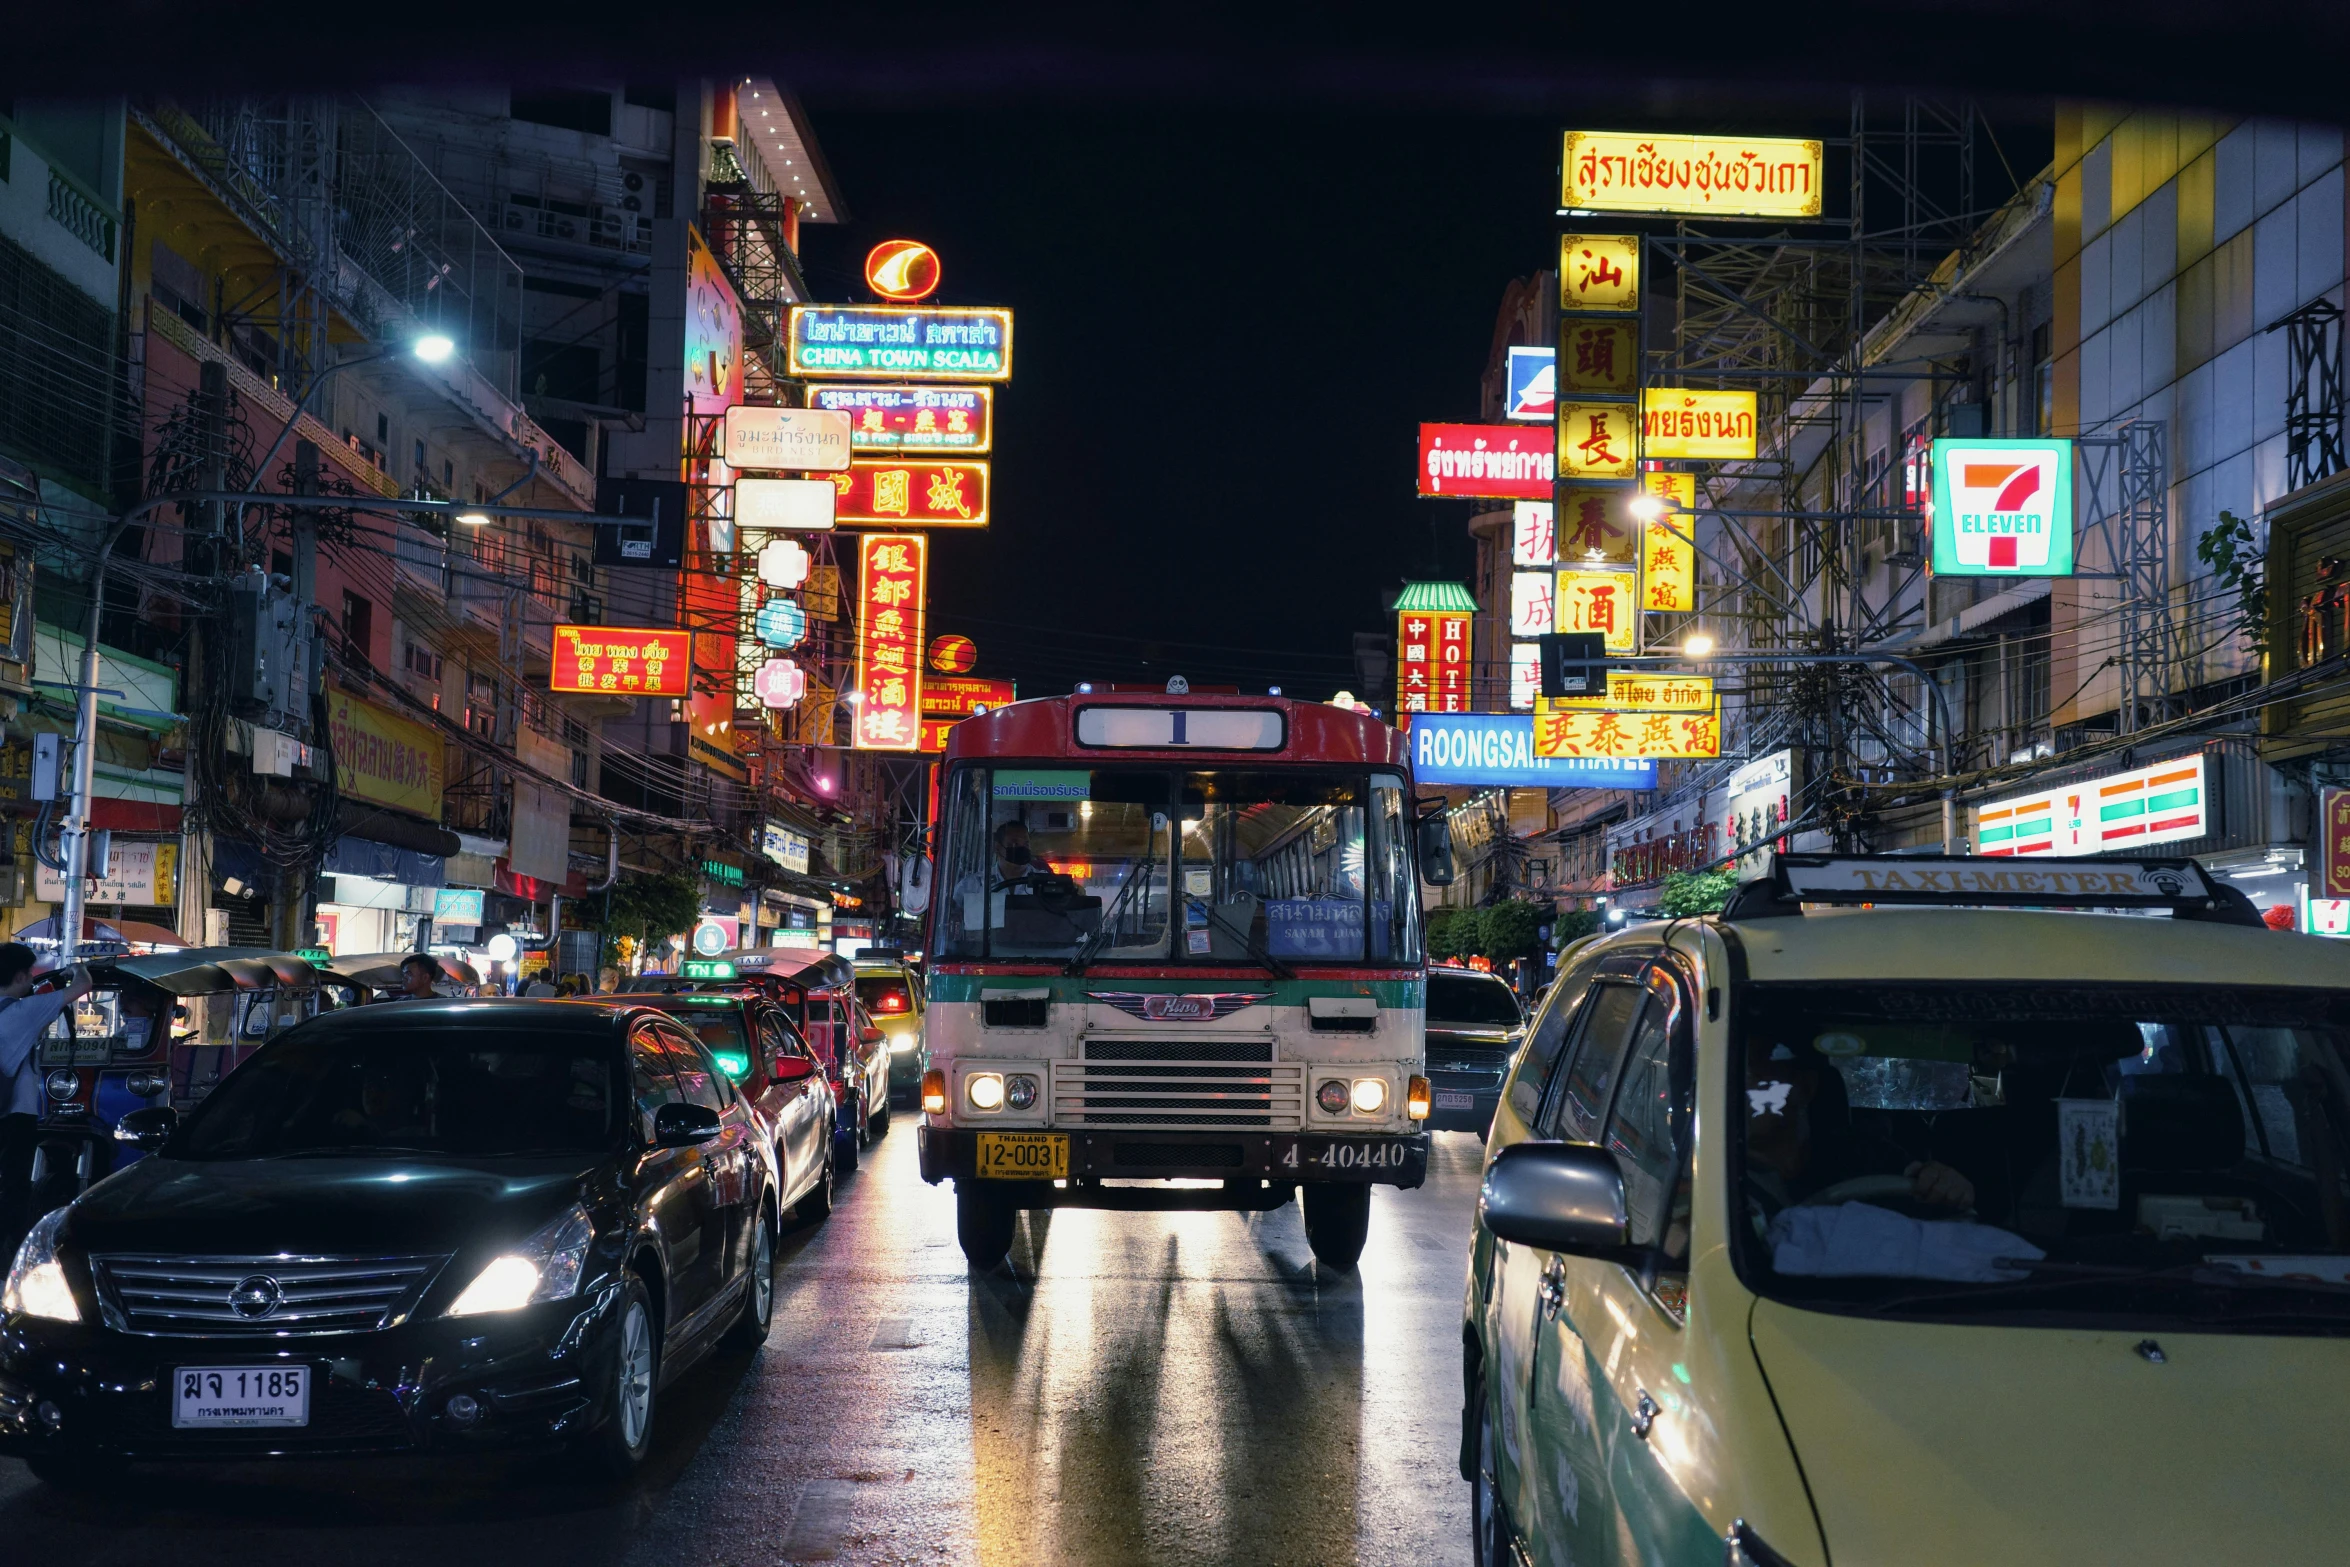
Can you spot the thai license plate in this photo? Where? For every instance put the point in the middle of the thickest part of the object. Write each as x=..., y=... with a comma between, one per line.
x=240, y=1396
x=1023, y=1156
x=1454, y=1099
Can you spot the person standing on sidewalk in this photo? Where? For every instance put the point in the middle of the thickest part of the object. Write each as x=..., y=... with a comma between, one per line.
x=23, y=1018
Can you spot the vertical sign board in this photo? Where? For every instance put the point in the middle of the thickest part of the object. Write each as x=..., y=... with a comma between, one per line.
x=891, y=586
x=2334, y=814
x=1431, y=661
x=2003, y=508
x=2167, y=802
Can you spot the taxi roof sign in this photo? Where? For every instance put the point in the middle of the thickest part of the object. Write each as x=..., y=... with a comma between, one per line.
x=708, y=968
x=1963, y=881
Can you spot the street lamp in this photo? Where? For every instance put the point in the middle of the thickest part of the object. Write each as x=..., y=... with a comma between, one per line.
x=434, y=347
x=1647, y=507
x=1698, y=644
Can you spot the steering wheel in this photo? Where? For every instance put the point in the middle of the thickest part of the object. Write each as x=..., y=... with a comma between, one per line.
x=1862, y=1188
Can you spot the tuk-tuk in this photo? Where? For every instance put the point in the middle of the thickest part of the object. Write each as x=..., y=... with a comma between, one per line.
x=376, y=976
x=159, y=1028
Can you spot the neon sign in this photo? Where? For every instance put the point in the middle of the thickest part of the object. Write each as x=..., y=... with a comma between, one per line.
x=902, y=342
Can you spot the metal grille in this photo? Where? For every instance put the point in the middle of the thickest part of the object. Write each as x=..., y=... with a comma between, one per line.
x=260, y=1296
x=1489, y=1065
x=1142, y=1084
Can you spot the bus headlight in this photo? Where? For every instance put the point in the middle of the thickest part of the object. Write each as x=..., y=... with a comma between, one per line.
x=985, y=1090
x=1020, y=1091
x=1331, y=1096
x=1370, y=1095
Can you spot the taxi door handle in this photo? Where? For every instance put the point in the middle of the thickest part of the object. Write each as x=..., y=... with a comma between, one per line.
x=1553, y=1291
x=1644, y=1413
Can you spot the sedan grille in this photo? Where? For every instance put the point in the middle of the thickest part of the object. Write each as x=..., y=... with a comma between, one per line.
x=260, y=1296
x=1141, y=1084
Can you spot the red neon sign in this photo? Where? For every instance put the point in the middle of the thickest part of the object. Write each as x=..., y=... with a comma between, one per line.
x=885, y=492
x=892, y=583
x=622, y=660
x=902, y=269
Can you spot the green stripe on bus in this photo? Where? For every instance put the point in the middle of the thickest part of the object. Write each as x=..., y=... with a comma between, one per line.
x=1070, y=989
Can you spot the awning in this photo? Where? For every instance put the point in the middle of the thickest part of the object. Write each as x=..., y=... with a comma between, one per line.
x=365, y=857
x=104, y=932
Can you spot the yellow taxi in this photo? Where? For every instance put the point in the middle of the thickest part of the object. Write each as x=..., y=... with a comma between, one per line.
x=2009, y=1227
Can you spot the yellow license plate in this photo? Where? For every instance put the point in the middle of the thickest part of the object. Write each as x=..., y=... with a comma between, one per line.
x=1023, y=1156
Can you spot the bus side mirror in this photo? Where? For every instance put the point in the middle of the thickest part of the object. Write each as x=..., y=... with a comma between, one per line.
x=1436, y=864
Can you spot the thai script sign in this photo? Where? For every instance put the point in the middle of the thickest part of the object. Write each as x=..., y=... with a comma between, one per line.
x=1599, y=272
x=958, y=419
x=926, y=492
x=382, y=757
x=803, y=440
x=949, y=699
x=1709, y=426
x=620, y=660
x=1653, y=736
x=1724, y=176
x=892, y=584
x=143, y=873
x=2003, y=508
x=901, y=342
x=1494, y=460
x=1431, y=662
x=1597, y=441
x=1629, y=691
x=1497, y=749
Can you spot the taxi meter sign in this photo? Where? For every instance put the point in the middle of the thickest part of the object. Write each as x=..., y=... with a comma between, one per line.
x=2003, y=508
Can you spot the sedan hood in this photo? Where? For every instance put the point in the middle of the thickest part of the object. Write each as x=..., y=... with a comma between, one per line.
x=258, y=1207
x=1930, y=1443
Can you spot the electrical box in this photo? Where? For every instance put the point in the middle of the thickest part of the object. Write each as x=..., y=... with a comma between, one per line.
x=98, y=864
x=659, y=541
x=1574, y=663
x=274, y=663
x=48, y=766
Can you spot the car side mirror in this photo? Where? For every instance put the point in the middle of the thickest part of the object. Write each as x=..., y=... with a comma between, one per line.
x=792, y=1069
x=683, y=1125
x=872, y=1035
x=1436, y=863
x=1563, y=1197
x=148, y=1129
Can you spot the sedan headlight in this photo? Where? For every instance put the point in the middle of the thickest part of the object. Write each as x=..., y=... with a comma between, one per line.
x=37, y=1285
x=545, y=1267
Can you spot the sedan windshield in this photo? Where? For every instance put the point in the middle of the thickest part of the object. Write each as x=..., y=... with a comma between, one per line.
x=466, y=1092
x=2174, y=1149
x=1473, y=1002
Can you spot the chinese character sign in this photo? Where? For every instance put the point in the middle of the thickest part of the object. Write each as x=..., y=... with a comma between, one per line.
x=890, y=594
x=1651, y=736
x=956, y=419
x=1525, y=674
x=1748, y=176
x=1593, y=527
x=1668, y=565
x=1431, y=662
x=1606, y=602
x=911, y=492
x=620, y=661
x=1597, y=441
x=1685, y=422
x=1599, y=272
x=1597, y=358
x=2335, y=814
x=1530, y=604
x=1533, y=534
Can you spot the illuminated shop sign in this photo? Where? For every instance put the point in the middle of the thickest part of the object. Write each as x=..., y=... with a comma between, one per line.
x=923, y=492
x=1432, y=661
x=1724, y=176
x=1497, y=750
x=1685, y=422
x=2165, y=803
x=1597, y=441
x=1597, y=358
x=901, y=342
x=1630, y=691
x=2003, y=508
x=1599, y=272
x=803, y=440
x=1533, y=534
x=902, y=270
x=620, y=661
x=1499, y=461
x=892, y=583
x=1529, y=385
x=913, y=418
x=1605, y=602
x=1653, y=736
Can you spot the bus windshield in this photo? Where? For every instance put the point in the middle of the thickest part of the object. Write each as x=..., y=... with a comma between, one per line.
x=1142, y=864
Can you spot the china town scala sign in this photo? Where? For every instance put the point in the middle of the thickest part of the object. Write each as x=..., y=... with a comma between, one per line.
x=1724, y=176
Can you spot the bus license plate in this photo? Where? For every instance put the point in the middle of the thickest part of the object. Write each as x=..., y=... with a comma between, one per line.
x=1023, y=1156
x=240, y=1396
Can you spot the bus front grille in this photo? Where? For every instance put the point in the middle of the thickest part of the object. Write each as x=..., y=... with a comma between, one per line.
x=1176, y=1090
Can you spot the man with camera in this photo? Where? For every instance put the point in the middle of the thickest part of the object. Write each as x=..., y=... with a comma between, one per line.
x=24, y=1017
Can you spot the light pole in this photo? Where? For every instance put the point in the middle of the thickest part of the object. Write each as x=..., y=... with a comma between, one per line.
x=74, y=835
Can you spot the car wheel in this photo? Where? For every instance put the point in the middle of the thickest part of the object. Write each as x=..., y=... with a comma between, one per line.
x=815, y=1205
x=1488, y=1542
x=881, y=1117
x=71, y=1472
x=1338, y=1221
x=619, y=1445
x=983, y=1224
x=750, y=1329
x=845, y=1143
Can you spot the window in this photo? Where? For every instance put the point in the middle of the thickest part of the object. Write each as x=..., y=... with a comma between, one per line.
x=1477, y=1000
x=566, y=108
x=422, y=661
x=654, y=1086
x=1543, y=1050
x=697, y=1078
x=383, y=430
x=1575, y=1110
x=481, y=704
x=421, y=467
x=1646, y=1130
x=2043, y=387
x=358, y=626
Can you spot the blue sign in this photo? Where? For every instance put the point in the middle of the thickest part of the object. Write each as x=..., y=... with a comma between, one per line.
x=456, y=906
x=1498, y=749
x=782, y=623
x=1323, y=927
x=1531, y=391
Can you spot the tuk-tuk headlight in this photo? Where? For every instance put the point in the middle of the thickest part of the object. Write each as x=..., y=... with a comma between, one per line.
x=37, y=1285
x=545, y=1267
x=62, y=1084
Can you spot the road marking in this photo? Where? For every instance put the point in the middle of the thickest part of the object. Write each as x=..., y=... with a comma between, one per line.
x=894, y=1333
x=819, y=1519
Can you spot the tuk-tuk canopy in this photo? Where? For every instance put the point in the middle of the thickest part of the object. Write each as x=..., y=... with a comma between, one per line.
x=207, y=971
x=381, y=970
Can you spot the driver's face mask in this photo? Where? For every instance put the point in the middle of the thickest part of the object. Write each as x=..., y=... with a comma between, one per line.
x=1016, y=854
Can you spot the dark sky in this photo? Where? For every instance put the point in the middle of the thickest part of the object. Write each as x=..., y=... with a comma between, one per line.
x=1229, y=324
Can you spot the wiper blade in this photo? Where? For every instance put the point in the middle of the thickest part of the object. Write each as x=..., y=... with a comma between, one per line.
x=1256, y=949
x=2052, y=1277
x=1109, y=923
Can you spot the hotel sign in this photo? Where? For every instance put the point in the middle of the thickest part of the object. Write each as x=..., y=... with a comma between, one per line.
x=1719, y=176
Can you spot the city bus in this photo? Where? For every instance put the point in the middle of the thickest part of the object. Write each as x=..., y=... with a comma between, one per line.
x=1175, y=962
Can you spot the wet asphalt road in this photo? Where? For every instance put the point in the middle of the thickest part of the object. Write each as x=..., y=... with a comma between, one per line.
x=1135, y=1389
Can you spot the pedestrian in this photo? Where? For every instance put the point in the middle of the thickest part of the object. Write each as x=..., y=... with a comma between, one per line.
x=419, y=971
x=608, y=982
x=23, y=1017
x=539, y=990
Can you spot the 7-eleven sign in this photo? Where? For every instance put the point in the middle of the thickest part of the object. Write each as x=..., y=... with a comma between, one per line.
x=2003, y=508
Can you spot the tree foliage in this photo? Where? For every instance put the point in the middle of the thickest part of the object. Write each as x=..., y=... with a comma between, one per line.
x=648, y=908
x=1573, y=925
x=2238, y=567
x=1455, y=933
x=1696, y=892
x=1509, y=930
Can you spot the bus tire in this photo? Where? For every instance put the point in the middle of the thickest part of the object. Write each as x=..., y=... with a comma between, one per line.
x=1338, y=1221
x=983, y=1225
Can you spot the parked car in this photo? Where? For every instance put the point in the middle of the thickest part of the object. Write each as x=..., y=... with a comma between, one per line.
x=440, y=1226
x=1933, y=1235
x=892, y=993
x=760, y=1049
x=818, y=991
x=1474, y=1026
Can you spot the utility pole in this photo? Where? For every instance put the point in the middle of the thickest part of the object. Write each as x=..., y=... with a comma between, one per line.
x=292, y=916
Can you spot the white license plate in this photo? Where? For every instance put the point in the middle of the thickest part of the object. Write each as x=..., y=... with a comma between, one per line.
x=1454, y=1099
x=240, y=1396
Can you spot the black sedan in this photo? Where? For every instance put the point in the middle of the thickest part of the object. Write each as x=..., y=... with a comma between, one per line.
x=1474, y=1026
x=430, y=1225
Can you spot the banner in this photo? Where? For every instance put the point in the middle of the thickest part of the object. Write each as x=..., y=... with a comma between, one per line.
x=892, y=584
x=384, y=758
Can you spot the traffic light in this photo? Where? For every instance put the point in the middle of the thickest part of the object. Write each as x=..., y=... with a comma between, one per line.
x=1574, y=663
